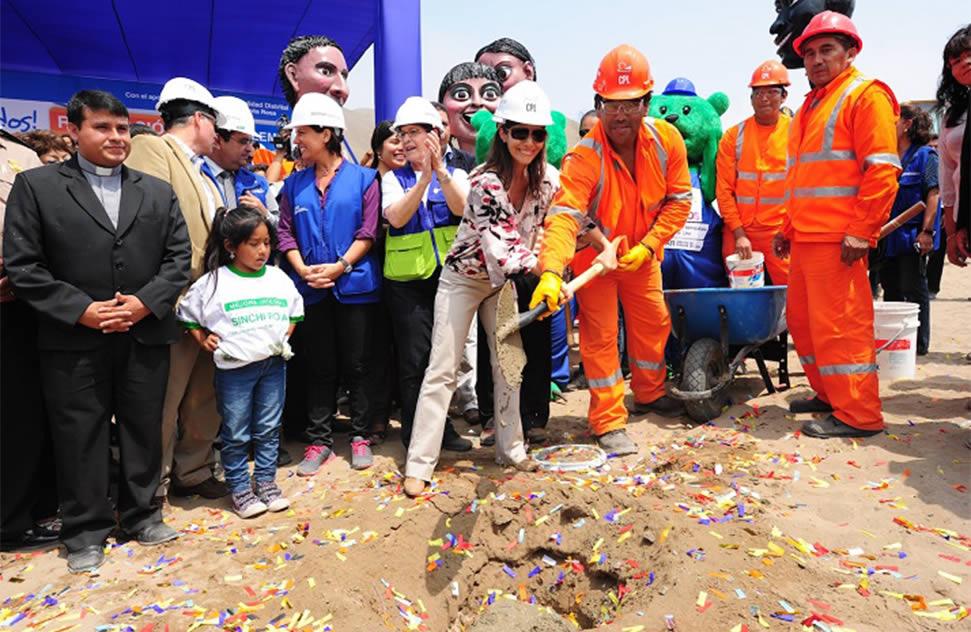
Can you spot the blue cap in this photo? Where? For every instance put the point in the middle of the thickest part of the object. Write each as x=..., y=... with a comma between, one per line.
x=680, y=86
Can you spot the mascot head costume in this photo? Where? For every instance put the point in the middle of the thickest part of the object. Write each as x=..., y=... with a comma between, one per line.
x=513, y=63
x=313, y=63
x=699, y=121
x=466, y=89
x=792, y=16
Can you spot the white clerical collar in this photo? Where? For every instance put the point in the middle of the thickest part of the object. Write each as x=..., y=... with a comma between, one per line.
x=97, y=170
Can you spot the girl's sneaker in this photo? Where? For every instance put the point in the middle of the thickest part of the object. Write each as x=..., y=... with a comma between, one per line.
x=313, y=457
x=361, y=457
x=271, y=495
x=247, y=505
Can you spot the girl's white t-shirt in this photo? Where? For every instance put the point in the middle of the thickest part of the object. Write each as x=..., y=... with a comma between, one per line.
x=249, y=311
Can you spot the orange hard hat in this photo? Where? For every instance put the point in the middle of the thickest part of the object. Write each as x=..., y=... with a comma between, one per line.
x=623, y=74
x=769, y=73
x=828, y=22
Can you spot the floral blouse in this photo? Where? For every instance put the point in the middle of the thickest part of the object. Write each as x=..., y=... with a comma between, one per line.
x=494, y=241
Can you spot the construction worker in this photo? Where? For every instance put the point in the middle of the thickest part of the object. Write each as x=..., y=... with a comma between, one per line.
x=842, y=180
x=751, y=170
x=627, y=178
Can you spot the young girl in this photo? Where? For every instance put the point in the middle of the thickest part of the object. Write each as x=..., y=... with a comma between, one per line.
x=243, y=312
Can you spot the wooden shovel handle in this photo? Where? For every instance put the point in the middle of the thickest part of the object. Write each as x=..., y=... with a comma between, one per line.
x=593, y=271
x=902, y=219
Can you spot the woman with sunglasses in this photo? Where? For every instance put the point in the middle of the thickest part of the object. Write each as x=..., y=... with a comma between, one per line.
x=508, y=200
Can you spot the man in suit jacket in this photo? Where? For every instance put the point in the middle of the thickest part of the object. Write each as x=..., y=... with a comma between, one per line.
x=190, y=422
x=27, y=483
x=101, y=253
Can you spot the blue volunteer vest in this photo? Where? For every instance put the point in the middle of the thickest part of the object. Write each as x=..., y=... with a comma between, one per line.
x=686, y=268
x=902, y=240
x=248, y=182
x=324, y=234
x=418, y=248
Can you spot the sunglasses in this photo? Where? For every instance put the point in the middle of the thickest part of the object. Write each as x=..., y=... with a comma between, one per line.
x=522, y=133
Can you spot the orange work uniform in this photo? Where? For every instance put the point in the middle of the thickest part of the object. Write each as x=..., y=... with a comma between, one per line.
x=649, y=207
x=751, y=188
x=842, y=180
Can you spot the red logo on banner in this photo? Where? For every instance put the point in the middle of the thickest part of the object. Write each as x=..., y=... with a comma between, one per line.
x=58, y=119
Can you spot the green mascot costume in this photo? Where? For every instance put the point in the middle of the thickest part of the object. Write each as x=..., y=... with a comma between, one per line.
x=693, y=257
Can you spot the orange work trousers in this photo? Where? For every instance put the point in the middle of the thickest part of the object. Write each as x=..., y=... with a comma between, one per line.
x=830, y=316
x=648, y=326
x=761, y=239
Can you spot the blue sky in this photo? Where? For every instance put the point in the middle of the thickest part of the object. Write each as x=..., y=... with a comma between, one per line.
x=715, y=43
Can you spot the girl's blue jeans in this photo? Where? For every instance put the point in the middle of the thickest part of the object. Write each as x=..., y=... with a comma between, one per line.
x=250, y=401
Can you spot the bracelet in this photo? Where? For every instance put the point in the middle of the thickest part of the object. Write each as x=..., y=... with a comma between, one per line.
x=347, y=266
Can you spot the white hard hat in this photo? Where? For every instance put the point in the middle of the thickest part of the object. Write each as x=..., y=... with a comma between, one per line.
x=236, y=115
x=184, y=88
x=524, y=103
x=417, y=111
x=319, y=109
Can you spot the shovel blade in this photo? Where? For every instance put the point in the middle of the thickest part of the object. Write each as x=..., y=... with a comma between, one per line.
x=509, y=344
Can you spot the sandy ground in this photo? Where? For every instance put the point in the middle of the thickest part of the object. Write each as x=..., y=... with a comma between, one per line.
x=737, y=525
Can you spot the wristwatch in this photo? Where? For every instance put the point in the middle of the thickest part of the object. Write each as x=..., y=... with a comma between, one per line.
x=347, y=266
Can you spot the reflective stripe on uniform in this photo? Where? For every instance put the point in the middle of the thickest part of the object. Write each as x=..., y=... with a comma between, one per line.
x=662, y=155
x=606, y=382
x=817, y=192
x=647, y=366
x=774, y=175
x=738, y=142
x=580, y=218
x=881, y=159
x=747, y=175
x=829, y=132
x=773, y=200
x=598, y=189
x=807, y=359
x=744, y=199
x=847, y=369
x=684, y=195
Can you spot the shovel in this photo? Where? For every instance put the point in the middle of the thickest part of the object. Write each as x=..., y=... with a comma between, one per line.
x=509, y=348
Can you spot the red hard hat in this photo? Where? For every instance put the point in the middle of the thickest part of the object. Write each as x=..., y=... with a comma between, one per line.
x=623, y=74
x=828, y=22
x=769, y=73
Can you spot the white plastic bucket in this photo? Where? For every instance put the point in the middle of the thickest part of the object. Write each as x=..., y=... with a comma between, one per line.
x=895, y=335
x=746, y=272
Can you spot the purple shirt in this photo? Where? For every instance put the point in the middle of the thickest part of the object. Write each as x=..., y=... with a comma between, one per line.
x=370, y=212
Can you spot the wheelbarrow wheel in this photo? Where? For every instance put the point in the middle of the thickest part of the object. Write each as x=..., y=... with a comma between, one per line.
x=704, y=367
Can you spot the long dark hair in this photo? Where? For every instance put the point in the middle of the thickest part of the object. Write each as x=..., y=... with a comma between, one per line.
x=380, y=134
x=921, y=125
x=234, y=226
x=952, y=97
x=501, y=162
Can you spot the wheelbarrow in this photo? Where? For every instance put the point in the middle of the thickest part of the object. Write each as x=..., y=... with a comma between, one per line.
x=715, y=324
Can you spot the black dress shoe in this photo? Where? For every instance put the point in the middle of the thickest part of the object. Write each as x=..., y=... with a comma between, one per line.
x=453, y=442
x=833, y=428
x=665, y=405
x=814, y=405
x=86, y=559
x=209, y=488
x=156, y=533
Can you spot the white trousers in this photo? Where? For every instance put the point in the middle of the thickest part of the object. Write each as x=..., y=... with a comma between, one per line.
x=456, y=303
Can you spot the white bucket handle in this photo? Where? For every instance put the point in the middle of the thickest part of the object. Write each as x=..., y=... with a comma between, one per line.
x=894, y=339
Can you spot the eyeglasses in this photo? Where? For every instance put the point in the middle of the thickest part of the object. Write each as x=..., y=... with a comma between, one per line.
x=765, y=93
x=207, y=116
x=415, y=133
x=522, y=133
x=621, y=107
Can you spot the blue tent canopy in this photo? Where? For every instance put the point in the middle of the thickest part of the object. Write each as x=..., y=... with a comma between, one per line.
x=228, y=45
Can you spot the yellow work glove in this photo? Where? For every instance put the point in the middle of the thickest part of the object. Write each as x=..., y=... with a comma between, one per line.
x=548, y=291
x=634, y=258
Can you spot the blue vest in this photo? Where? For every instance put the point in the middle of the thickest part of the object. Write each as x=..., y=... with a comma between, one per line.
x=324, y=234
x=687, y=268
x=418, y=248
x=911, y=191
x=248, y=182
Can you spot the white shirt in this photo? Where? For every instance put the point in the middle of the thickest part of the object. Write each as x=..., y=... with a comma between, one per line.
x=251, y=313
x=392, y=191
x=196, y=161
